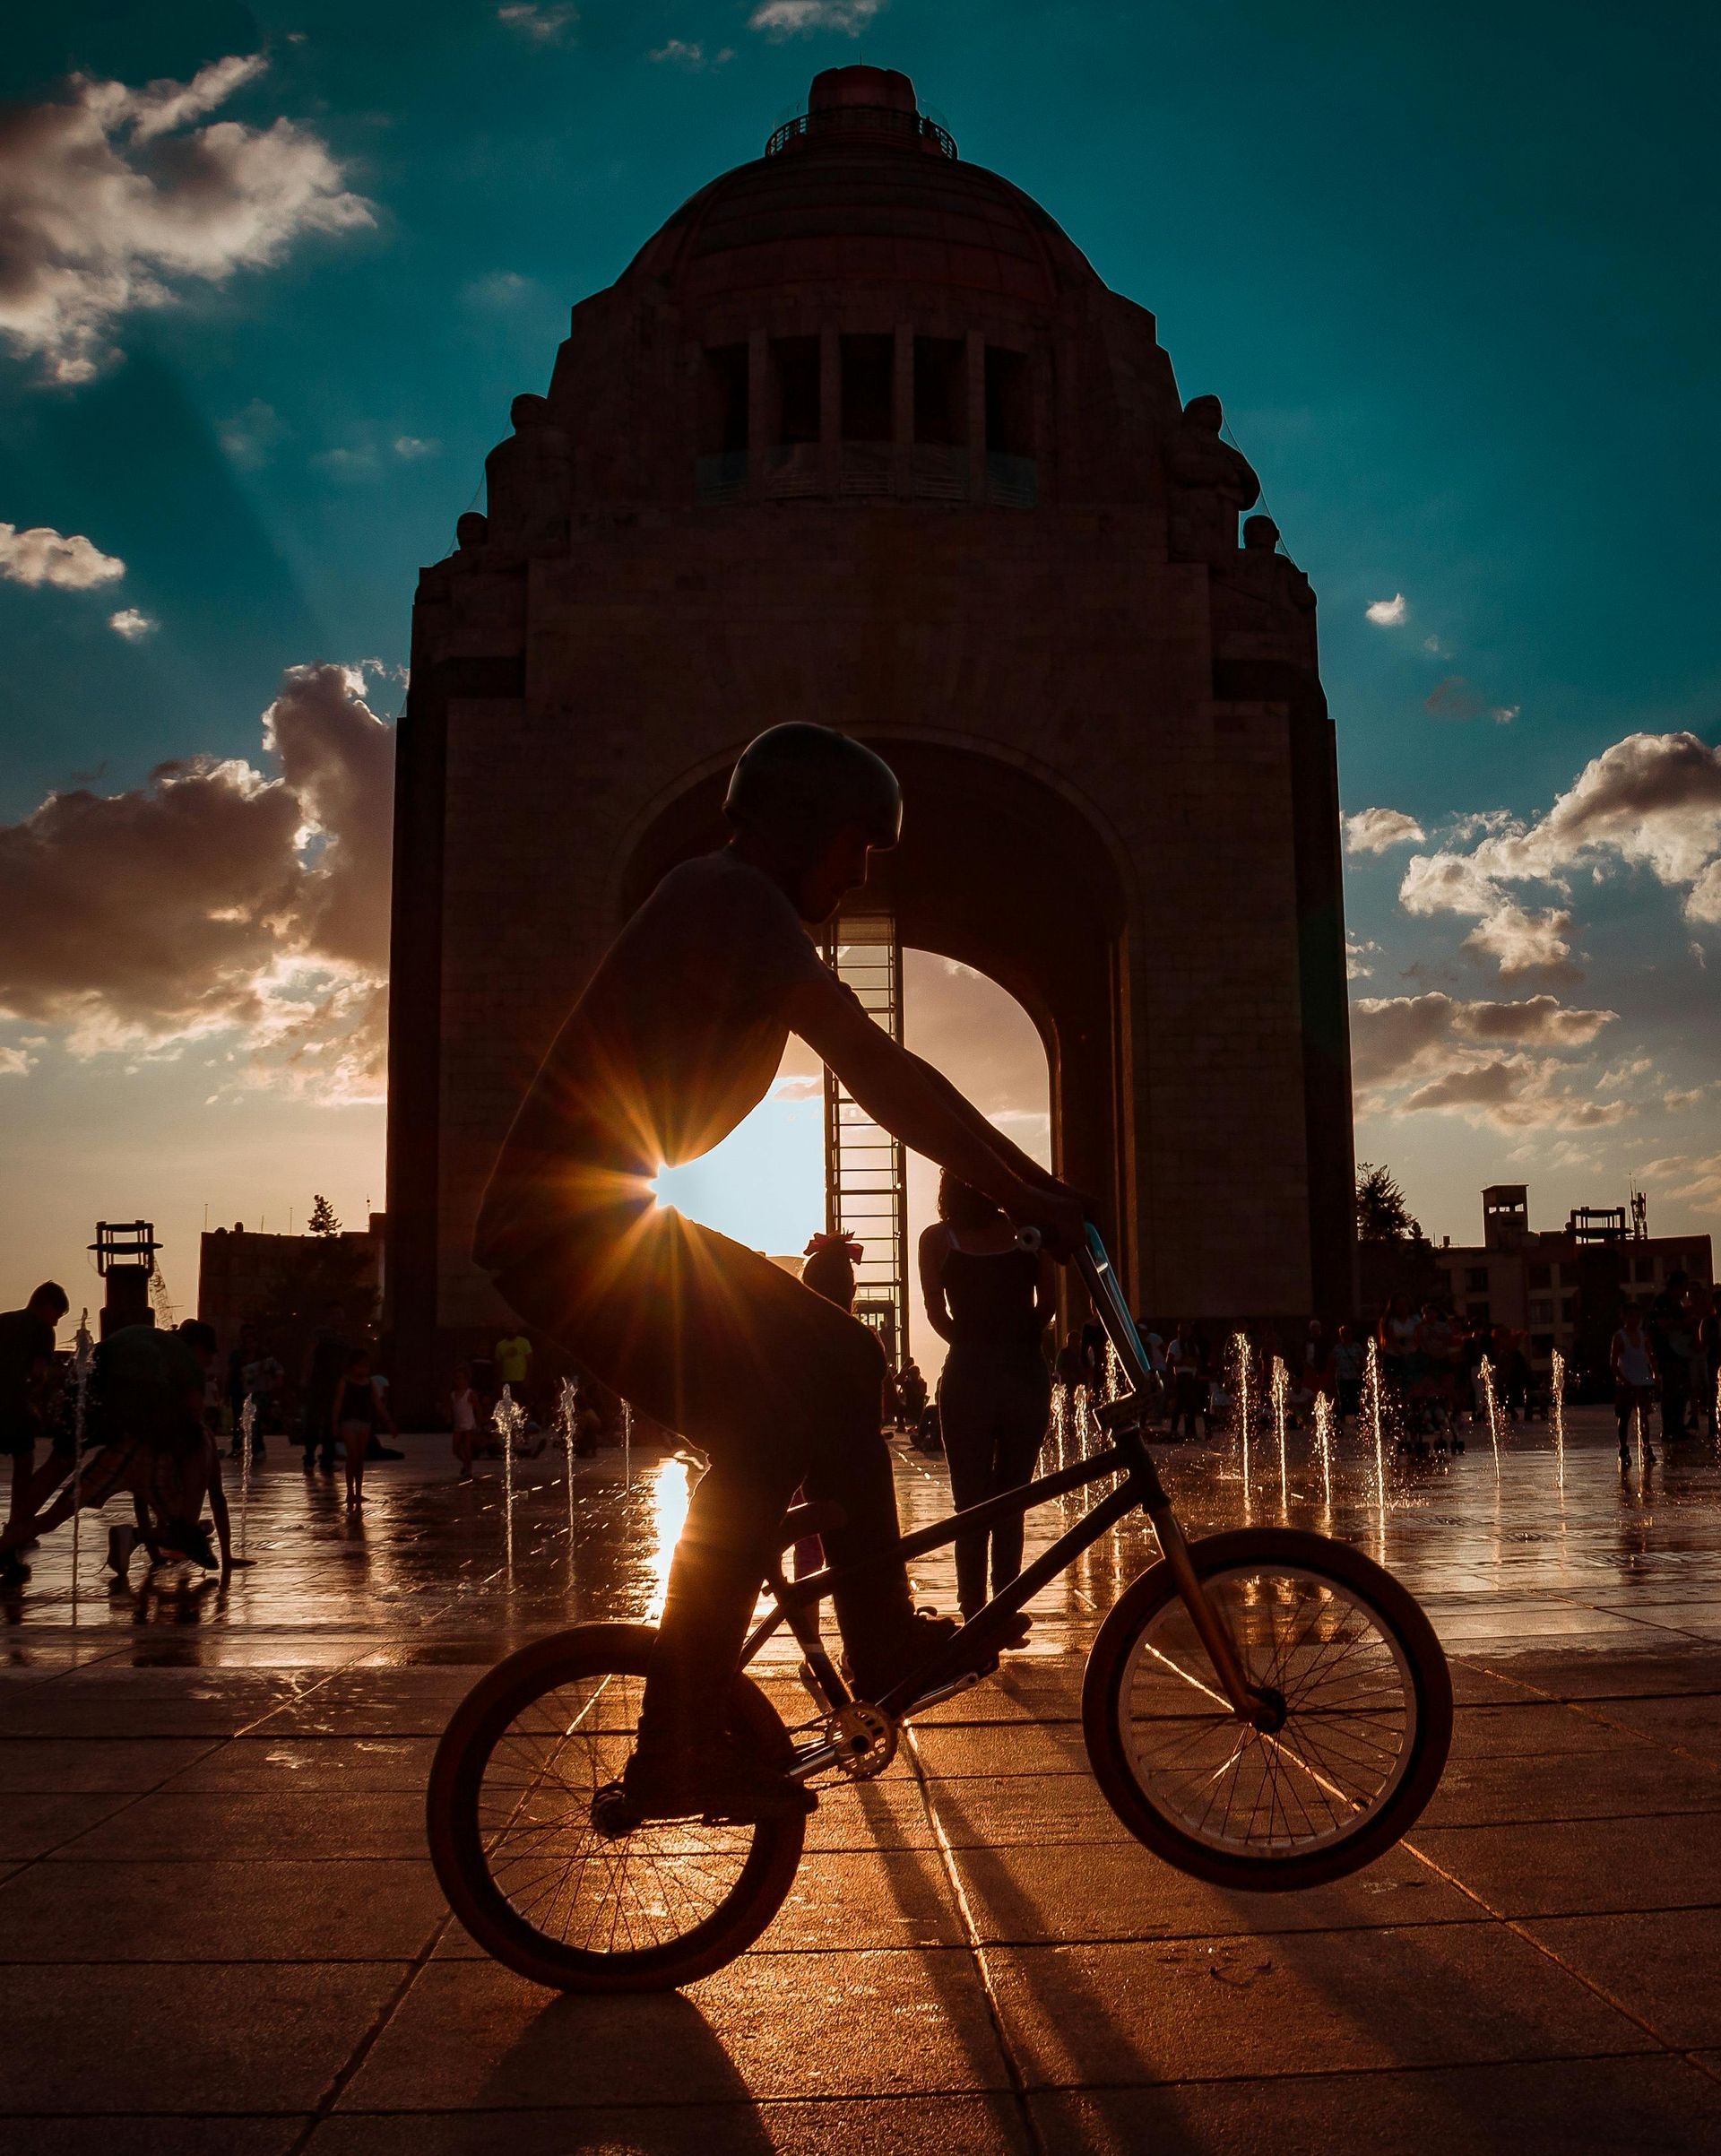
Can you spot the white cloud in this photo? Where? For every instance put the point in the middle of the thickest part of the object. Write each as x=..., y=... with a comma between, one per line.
x=496, y=288
x=68, y=560
x=1651, y=800
x=1697, y=1179
x=1499, y=1063
x=15, y=1063
x=542, y=25
x=1434, y=647
x=1504, y=713
x=802, y=18
x=1376, y=830
x=1517, y=941
x=359, y=462
x=219, y=896
x=132, y=623
x=409, y=447
x=108, y=204
x=1356, y=957
x=250, y=436
x=678, y=53
x=1389, y=613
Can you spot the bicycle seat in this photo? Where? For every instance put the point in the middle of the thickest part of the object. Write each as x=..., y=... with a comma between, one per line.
x=803, y=1519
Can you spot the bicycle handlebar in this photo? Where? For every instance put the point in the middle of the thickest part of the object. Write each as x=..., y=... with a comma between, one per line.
x=1101, y=1281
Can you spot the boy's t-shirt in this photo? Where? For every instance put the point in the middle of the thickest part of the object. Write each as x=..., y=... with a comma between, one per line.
x=676, y=1038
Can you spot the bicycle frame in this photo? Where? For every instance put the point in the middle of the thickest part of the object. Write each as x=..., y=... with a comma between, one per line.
x=796, y=1602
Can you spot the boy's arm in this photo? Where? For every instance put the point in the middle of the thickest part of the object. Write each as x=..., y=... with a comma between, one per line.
x=919, y=1106
x=934, y=1242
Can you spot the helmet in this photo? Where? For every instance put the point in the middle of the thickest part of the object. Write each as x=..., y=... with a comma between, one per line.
x=807, y=781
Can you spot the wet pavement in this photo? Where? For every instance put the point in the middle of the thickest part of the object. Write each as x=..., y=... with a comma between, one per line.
x=220, y=1930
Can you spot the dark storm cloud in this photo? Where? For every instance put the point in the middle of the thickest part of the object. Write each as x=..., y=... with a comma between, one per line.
x=217, y=895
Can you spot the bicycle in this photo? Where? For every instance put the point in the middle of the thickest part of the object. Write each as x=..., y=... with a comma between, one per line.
x=1265, y=1709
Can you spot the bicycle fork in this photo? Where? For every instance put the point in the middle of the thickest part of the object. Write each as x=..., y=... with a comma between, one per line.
x=1253, y=1703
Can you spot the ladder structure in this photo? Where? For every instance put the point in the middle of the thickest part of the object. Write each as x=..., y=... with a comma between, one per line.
x=866, y=1181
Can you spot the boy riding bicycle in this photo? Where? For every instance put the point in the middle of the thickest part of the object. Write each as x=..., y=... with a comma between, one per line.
x=676, y=1038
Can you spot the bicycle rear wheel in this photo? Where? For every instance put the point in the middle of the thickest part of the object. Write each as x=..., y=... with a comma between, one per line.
x=532, y=1875
x=1366, y=1705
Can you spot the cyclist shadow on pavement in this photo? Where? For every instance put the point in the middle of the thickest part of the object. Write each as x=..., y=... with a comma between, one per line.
x=642, y=2070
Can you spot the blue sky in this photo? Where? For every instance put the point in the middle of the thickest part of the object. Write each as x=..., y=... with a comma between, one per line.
x=1449, y=267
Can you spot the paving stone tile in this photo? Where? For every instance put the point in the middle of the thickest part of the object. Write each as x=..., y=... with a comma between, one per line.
x=1027, y=1896
x=29, y=1824
x=1664, y=1964
x=900, y=2125
x=370, y=1910
x=1543, y=1786
x=471, y=2035
x=1498, y=1732
x=1649, y=2106
x=245, y=2039
x=176, y=1822
x=265, y=1765
x=1583, y=1866
x=147, y=2136
x=92, y=1765
x=1294, y=2003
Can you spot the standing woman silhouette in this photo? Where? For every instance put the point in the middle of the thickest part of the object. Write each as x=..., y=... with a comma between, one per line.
x=992, y=1302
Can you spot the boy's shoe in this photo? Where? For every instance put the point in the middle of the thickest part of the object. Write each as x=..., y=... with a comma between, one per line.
x=121, y=1542
x=724, y=1783
x=883, y=1664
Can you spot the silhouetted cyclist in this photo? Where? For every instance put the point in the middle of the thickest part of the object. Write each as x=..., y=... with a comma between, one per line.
x=676, y=1037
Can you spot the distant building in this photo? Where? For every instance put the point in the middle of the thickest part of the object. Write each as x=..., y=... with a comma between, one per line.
x=283, y=1284
x=1565, y=1286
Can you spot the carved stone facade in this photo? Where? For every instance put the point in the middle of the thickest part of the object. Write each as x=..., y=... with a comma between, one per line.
x=860, y=436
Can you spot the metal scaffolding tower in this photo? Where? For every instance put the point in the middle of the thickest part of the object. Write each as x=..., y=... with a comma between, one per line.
x=866, y=1183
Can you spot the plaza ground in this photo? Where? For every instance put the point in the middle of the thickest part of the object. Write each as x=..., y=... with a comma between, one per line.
x=221, y=1931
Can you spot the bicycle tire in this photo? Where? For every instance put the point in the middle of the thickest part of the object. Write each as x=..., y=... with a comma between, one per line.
x=1291, y=1556
x=763, y=1857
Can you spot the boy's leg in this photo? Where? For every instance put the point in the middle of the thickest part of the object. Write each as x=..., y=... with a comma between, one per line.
x=775, y=1385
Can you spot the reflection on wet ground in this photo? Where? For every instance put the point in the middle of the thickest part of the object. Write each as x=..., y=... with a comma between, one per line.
x=218, y=1930
x=1506, y=1554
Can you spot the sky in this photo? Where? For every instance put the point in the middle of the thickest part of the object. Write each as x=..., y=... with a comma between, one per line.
x=270, y=277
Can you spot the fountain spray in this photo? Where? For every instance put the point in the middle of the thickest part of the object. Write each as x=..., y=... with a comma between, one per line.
x=247, y=1431
x=83, y=1355
x=1280, y=1393
x=1324, y=1444
x=1491, y=1406
x=1557, y=1414
x=626, y=1444
x=1242, y=1404
x=567, y=1415
x=506, y=1421
x=1374, y=1409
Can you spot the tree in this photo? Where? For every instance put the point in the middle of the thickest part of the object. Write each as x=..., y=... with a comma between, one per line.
x=1382, y=1215
x=323, y=1220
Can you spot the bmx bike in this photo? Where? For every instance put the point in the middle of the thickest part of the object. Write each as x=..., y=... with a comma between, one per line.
x=1265, y=1709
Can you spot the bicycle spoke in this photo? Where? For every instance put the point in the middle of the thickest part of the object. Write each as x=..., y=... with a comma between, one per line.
x=1349, y=1716
x=558, y=1874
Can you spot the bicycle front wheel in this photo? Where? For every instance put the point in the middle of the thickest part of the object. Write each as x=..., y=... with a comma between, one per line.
x=1363, y=1703
x=516, y=1818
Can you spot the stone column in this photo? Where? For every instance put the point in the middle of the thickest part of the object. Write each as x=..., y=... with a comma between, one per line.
x=830, y=409
x=976, y=355
x=758, y=410
x=902, y=410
